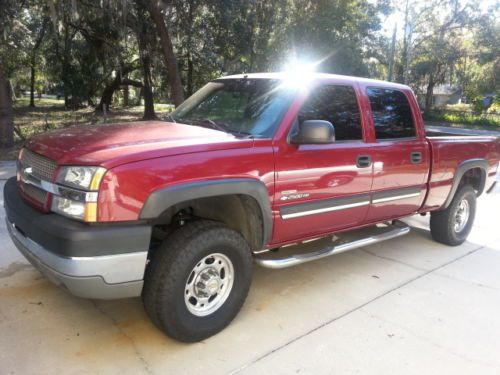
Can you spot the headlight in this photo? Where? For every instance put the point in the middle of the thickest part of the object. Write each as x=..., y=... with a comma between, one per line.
x=86, y=178
x=77, y=192
x=85, y=211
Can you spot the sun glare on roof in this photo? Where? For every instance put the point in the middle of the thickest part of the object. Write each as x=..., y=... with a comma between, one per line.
x=298, y=73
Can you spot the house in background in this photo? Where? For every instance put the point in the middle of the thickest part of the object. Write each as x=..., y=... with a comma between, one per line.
x=446, y=94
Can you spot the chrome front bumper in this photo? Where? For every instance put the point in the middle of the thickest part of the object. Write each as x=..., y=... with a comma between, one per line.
x=100, y=277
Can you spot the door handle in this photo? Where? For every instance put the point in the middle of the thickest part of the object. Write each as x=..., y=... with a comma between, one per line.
x=363, y=161
x=416, y=157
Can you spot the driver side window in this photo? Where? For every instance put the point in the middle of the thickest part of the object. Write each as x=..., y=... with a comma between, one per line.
x=338, y=105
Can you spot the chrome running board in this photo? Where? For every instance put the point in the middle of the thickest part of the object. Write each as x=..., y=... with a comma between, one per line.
x=272, y=259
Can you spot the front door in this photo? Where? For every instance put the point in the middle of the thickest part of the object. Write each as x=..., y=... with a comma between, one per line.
x=323, y=188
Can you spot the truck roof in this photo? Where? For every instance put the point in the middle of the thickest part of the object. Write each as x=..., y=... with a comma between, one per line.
x=318, y=76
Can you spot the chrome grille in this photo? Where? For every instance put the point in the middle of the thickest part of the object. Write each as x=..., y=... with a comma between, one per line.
x=32, y=166
x=41, y=167
x=35, y=193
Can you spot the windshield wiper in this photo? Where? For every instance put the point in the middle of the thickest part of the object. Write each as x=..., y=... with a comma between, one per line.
x=205, y=122
x=225, y=128
x=216, y=126
x=171, y=118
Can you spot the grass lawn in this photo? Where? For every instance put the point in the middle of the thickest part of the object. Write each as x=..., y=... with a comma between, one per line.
x=50, y=114
x=462, y=115
x=466, y=120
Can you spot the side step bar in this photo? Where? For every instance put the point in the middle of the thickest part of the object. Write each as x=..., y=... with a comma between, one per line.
x=397, y=229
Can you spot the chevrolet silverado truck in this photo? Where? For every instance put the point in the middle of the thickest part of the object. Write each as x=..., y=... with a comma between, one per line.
x=271, y=169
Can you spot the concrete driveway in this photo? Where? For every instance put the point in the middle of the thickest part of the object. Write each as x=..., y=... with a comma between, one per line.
x=407, y=306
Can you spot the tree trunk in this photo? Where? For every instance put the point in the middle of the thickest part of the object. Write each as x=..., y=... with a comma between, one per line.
x=62, y=56
x=139, y=97
x=126, y=96
x=33, y=64
x=428, y=95
x=32, y=85
x=108, y=92
x=406, y=45
x=12, y=92
x=118, y=81
x=149, y=108
x=391, y=55
x=6, y=114
x=174, y=76
x=190, y=76
x=144, y=45
x=107, y=96
x=65, y=67
x=190, y=72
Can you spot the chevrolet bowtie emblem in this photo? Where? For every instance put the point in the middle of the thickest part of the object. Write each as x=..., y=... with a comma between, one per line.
x=28, y=170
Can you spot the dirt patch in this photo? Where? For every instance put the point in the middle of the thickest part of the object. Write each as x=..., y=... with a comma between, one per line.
x=13, y=268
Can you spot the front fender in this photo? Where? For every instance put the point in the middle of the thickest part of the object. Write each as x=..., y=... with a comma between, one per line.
x=162, y=199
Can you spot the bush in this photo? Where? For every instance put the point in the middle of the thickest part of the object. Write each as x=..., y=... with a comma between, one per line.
x=495, y=107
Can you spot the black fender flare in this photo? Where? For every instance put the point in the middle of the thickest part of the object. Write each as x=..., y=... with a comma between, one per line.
x=160, y=200
x=463, y=167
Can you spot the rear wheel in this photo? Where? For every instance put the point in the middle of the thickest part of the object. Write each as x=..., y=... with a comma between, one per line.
x=198, y=280
x=452, y=225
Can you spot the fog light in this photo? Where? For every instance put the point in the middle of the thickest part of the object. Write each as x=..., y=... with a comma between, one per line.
x=68, y=207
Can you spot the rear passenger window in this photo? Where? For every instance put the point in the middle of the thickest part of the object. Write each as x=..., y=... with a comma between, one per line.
x=392, y=115
x=338, y=105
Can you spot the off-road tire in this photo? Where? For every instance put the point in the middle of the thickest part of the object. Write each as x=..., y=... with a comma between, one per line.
x=443, y=222
x=170, y=267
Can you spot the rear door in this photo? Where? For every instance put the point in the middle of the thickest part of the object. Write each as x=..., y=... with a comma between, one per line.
x=400, y=153
x=323, y=188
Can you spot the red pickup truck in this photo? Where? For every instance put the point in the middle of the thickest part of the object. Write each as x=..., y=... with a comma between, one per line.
x=250, y=165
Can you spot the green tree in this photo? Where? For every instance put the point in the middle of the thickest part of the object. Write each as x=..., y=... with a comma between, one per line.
x=335, y=33
x=434, y=48
x=12, y=40
x=478, y=69
x=168, y=51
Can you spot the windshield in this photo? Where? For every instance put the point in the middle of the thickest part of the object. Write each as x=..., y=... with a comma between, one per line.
x=247, y=107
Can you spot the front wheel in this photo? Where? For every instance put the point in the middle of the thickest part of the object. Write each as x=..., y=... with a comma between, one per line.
x=452, y=225
x=198, y=280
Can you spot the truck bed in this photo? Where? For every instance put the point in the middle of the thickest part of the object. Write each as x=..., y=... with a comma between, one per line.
x=448, y=153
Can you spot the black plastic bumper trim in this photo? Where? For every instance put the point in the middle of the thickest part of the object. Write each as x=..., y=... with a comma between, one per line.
x=70, y=238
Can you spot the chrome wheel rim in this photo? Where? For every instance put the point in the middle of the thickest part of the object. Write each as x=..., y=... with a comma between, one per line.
x=209, y=284
x=462, y=215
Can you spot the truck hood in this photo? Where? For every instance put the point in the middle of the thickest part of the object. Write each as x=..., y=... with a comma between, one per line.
x=112, y=145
